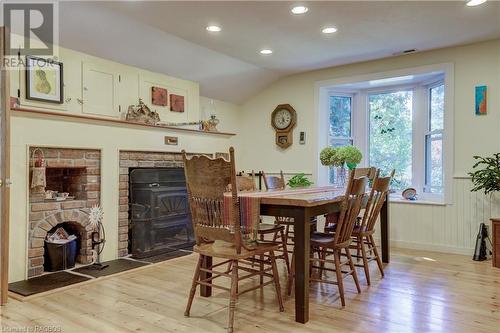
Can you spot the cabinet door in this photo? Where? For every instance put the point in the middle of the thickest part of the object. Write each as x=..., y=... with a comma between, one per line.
x=99, y=90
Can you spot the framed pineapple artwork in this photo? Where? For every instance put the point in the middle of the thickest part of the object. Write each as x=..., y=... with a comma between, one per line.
x=44, y=80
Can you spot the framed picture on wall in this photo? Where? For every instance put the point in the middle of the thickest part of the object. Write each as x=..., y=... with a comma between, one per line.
x=159, y=96
x=176, y=103
x=44, y=80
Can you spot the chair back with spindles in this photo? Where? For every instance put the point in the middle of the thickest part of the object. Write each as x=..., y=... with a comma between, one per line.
x=274, y=182
x=207, y=179
x=350, y=208
x=246, y=183
x=378, y=194
x=365, y=172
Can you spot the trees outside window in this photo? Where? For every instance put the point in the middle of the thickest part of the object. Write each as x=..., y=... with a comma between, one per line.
x=390, y=134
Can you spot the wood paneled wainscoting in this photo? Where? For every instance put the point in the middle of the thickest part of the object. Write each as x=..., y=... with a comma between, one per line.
x=446, y=228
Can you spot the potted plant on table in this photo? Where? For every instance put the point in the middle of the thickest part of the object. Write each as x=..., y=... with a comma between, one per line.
x=299, y=180
x=340, y=157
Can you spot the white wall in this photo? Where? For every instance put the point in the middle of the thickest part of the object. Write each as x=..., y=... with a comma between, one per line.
x=476, y=64
x=33, y=130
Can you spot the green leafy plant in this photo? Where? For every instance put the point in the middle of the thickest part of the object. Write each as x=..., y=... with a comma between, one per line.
x=325, y=156
x=337, y=157
x=299, y=180
x=486, y=174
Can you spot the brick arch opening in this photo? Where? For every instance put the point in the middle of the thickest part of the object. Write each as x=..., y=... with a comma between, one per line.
x=77, y=220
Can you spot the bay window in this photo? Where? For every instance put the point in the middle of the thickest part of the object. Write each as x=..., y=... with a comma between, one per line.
x=400, y=124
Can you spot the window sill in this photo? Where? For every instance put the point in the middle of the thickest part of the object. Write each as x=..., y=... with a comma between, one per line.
x=396, y=198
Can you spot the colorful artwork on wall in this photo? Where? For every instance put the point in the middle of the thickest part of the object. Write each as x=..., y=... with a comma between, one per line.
x=44, y=80
x=176, y=103
x=159, y=96
x=481, y=99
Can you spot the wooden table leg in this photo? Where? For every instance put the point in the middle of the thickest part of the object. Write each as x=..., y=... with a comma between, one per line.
x=384, y=231
x=302, y=244
x=206, y=291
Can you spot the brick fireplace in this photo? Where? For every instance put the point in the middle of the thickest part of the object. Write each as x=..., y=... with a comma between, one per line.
x=76, y=171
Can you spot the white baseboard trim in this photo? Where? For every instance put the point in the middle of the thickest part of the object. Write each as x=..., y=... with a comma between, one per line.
x=431, y=247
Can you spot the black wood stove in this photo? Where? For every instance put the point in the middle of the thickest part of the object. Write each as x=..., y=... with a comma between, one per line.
x=159, y=212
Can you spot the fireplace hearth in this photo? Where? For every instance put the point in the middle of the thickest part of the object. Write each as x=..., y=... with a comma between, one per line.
x=159, y=212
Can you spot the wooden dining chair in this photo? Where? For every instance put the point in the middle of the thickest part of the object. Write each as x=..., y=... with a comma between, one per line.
x=327, y=244
x=363, y=234
x=247, y=183
x=331, y=219
x=207, y=179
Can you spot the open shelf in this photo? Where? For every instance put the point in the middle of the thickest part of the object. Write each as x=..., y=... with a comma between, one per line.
x=113, y=121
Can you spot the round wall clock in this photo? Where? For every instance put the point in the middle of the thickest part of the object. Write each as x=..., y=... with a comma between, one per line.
x=284, y=119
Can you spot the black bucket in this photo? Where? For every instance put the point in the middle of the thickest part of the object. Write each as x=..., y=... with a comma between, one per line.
x=60, y=256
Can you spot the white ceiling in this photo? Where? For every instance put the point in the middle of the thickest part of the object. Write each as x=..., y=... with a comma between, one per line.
x=170, y=37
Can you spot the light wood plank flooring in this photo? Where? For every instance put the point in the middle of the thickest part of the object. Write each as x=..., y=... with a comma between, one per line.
x=422, y=292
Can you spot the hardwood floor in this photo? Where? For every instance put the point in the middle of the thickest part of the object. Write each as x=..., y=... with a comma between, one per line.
x=422, y=292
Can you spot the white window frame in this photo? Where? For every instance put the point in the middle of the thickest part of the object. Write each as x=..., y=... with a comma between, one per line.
x=428, y=134
x=322, y=91
x=350, y=138
x=342, y=94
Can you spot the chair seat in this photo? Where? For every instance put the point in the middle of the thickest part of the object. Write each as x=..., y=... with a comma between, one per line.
x=361, y=231
x=265, y=228
x=321, y=239
x=221, y=249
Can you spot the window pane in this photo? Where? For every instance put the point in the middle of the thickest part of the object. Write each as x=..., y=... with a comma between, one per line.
x=434, y=163
x=340, y=116
x=391, y=135
x=436, y=107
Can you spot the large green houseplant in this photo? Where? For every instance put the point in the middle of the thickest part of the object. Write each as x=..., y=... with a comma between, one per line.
x=486, y=174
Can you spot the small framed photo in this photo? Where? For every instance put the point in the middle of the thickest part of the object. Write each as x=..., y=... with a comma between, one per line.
x=481, y=100
x=44, y=80
x=176, y=103
x=159, y=96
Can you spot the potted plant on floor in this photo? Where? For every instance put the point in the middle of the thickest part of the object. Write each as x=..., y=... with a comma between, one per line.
x=486, y=178
x=486, y=174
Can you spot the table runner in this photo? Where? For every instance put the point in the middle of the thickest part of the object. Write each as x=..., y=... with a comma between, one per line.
x=250, y=206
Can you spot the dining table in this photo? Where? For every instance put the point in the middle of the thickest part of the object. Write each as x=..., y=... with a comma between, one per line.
x=301, y=205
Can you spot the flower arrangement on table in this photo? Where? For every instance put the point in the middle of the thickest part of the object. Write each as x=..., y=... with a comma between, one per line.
x=339, y=157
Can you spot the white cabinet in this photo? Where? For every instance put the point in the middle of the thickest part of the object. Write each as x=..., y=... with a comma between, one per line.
x=100, y=90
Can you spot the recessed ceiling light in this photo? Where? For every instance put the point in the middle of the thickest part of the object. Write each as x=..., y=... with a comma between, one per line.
x=472, y=3
x=214, y=28
x=329, y=30
x=297, y=10
x=266, y=51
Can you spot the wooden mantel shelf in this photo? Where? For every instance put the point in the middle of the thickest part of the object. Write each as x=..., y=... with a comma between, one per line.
x=115, y=121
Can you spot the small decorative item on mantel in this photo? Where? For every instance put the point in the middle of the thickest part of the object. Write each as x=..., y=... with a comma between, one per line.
x=38, y=178
x=140, y=113
x=210, y=125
